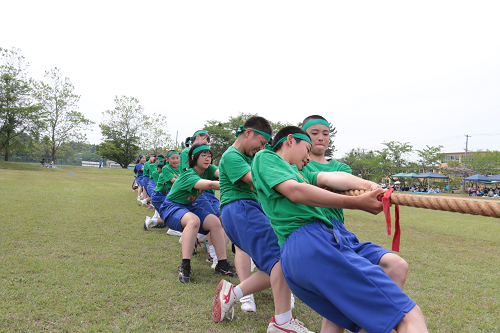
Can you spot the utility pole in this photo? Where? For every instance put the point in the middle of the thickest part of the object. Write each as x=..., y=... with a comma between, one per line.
x=467, y=142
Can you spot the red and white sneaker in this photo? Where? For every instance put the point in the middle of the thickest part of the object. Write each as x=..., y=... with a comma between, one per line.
x=224, y=301
x=293, y=326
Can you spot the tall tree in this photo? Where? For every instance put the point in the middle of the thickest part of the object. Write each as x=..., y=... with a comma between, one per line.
x=154, y=136
x=483, y=162
x=63, y=122
x=222, y=133
x=19, y=114
x=397, y=156
x=429, y=157
x=121, y=129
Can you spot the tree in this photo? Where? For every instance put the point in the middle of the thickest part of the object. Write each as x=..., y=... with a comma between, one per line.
x=19, y=114
x=222, y=133
x=63, y=122
x=430, y=156
x=121, y=129
x=154, y=136
x=396, y=153
x=365, y=164
x=483, y=162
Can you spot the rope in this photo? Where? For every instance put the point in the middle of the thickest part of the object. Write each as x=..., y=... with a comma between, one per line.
x=482, y=208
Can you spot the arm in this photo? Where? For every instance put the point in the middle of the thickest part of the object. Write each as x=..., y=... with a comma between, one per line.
x=314, y=196
x=204, y=184
x=247, y=178
x=344, y=181
x=173, y=180
x=216, y=174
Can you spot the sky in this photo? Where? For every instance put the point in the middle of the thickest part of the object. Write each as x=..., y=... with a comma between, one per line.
x=426, y=72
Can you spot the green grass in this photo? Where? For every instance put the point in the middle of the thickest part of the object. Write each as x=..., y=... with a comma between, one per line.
x=74, y=257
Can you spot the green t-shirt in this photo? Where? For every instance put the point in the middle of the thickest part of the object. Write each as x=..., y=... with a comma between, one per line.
x=145, y=171
x=269, y=170
x=184, y=159
x=155, y=174
x=164, y=180
x=152, y=168
x=183, y=191
x=313, y=166
x=232, y=166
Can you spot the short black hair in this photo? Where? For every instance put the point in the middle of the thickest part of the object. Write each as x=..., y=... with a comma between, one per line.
x=260, y=124
x=285, y=131
x=187, y=142
x=193, y=159
x=315, y=116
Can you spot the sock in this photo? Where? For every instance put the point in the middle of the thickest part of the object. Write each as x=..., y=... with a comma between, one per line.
x=211, y=250
x=155, y=221
x=222, y=263
x=238, y=292
x=283, y=318
x=156, y=214
x=186, y=262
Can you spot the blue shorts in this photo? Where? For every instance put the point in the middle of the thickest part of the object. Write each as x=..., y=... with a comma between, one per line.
x=340, y=285
x=144, y=183
x=209, y=202
x=150, y=188
x=370, y=251
x=172, y=212
x=138, y=180
x=157, y=199
x=249, y=228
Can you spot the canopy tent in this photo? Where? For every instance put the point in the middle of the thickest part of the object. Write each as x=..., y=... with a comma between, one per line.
x=404, y=175
x=478, y=178
x=431, y=175
x=494, y=178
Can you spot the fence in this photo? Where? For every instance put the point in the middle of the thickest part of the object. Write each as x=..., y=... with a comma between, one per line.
x=59, y=161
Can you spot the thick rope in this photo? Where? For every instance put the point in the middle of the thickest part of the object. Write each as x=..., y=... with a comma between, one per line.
x=491, y=209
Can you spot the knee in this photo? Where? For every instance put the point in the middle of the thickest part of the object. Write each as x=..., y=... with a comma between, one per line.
x=192, y=222
x=394, y=265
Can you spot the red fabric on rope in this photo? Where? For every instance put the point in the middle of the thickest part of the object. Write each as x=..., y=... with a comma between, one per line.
x=386, y=201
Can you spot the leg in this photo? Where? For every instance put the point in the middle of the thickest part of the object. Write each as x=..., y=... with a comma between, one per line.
x=329, y=327
x=217, y=235
x=242, y=264
x=395, y=267
x=413, y=322
x=190, y=224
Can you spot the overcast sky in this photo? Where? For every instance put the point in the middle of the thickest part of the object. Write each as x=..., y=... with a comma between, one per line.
x=425, y=72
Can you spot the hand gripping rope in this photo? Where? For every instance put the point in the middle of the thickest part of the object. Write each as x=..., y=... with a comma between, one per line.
x=482, y=208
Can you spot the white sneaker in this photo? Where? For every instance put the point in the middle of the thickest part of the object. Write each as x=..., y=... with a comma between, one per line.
x=248, y=303
x=293, y=326
x=224, y=301
x=144, y=203
x=172, y=232
x=292, y=302
x=180, y=240
x=148, y=222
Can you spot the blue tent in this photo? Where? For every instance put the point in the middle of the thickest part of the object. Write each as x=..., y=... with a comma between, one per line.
x=478, y=178
x=431, y=175
x=494, y=178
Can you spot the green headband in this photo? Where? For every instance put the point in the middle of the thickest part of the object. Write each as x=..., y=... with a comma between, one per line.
x=283, y=139
x=195, y=134
x=161, y=158
x=160, y=163
x=200, y=148
x=241, y=130
x=172, y=153
x=153, y=155
x=315, y=122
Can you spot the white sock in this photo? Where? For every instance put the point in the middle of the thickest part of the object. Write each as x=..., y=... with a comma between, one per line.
x=238, y=292
x=211, y=250
x=156, y=214
x=283, y=318
x=155, y=221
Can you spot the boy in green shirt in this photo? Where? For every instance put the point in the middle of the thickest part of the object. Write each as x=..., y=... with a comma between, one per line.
x=332, y=279
x=248, y=228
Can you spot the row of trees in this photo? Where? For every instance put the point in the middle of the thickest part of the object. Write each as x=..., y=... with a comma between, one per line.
x=41, y=113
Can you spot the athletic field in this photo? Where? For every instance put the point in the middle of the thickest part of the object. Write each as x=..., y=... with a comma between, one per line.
x=74, y=257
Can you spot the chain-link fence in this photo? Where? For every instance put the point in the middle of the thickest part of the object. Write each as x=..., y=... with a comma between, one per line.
x=60, y=161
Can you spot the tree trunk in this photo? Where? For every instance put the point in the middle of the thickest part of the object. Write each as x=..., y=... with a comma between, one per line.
x=6, y=154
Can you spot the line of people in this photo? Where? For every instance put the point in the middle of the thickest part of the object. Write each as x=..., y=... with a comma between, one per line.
x=276, y=208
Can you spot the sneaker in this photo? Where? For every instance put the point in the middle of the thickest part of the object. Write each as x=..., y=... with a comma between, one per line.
x=159, y=225
x=223, y=301
x=172, y=232
x=205, y=246
x=226, y=270
x=210, y=259
x=248, y=303
x=150, y=206
x=184, y=274
x=148, y=222
x=293, y=326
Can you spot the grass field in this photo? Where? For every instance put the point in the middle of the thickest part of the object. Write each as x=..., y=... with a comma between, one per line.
x=74, y=257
